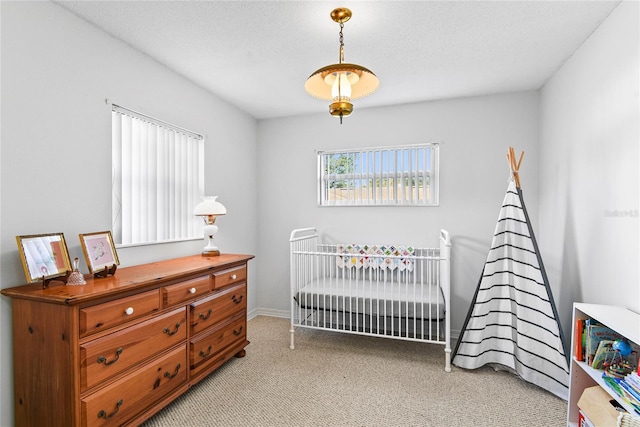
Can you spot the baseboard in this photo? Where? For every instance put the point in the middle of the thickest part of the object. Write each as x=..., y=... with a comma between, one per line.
x=268, y=312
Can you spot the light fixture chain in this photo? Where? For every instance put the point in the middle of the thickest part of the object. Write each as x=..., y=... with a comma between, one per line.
x=341, y=61
x=341, y=43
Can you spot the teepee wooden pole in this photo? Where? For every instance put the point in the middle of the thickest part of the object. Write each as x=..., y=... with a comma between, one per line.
x=515, y=166
x=520, y=160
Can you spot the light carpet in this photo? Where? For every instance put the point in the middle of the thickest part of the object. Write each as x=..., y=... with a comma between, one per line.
x=334, y=379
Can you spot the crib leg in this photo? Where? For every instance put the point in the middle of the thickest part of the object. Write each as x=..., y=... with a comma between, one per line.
x=292, y=330
x=447, y=360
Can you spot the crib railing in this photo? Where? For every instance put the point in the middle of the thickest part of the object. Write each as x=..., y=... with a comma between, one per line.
x=401, y=294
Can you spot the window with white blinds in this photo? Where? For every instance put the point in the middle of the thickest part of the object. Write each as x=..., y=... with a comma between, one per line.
x=393, y=176
x=158, y=178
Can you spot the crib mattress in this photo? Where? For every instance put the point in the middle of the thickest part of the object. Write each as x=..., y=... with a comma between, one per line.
x=410, y=300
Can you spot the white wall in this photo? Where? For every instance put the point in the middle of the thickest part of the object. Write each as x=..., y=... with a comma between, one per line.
x=57, y=70
x=589, y=169
x=475, y=132
x=55, y=147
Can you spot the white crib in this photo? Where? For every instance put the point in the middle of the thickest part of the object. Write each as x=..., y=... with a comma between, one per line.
x=398, y=292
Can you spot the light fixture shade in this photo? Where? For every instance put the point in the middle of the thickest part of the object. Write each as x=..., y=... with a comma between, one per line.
x=209, y=206
x=317, y=86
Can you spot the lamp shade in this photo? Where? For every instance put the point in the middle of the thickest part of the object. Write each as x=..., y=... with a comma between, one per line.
x=209, y=206
x=319, y=84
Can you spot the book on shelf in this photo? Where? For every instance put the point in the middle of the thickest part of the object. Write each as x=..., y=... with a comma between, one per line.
x=582, y=330
x=635, y=394
x=593, y=335
x=605, y=353
x=594, y=344
x=578, y=338
x=619, y=386
x=632, y=380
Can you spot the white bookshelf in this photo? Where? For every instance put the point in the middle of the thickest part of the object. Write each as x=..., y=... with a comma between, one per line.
x=621, y=320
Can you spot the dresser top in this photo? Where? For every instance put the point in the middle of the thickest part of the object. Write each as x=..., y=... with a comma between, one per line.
x=127, y=279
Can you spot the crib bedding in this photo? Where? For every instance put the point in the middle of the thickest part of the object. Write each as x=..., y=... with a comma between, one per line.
x=407, y=300
x=418, y=329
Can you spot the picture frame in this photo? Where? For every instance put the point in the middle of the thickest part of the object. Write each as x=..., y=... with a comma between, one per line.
x=44, y=256
x=99, y=251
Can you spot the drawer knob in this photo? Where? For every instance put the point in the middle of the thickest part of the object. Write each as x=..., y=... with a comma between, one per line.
x=103, y=414
x=236, y=299
x=234, y=277
x=129, y=311
x=192, y=290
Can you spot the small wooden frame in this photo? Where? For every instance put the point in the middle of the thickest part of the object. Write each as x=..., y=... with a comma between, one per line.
x=44, y=257
x=100, y=253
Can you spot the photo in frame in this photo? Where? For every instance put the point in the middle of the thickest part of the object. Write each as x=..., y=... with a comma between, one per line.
x=99, y=250
x=44, y=256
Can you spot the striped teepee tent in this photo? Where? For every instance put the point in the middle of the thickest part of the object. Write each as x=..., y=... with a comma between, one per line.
x=513, y=323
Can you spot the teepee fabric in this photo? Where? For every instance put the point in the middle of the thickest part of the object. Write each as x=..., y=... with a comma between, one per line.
x=512, y=323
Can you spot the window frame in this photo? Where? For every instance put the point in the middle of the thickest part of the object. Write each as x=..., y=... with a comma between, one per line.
x=426, y=168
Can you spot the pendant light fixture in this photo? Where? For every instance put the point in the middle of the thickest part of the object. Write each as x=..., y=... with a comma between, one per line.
x=342, y=82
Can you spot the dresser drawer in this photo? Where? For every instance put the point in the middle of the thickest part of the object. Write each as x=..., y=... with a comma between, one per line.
x=183, y=291
x=124, y=398
x=206, y=346
x=220, y=306
x=103, y=316
x=113, y=353
x=229, y=277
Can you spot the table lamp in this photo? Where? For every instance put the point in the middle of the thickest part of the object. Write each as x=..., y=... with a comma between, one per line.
x=209, y=209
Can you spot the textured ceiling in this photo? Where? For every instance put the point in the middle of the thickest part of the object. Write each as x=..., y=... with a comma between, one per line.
x=258, y=54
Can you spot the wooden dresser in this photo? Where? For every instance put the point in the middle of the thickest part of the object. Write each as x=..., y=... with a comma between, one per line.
x=117, y=350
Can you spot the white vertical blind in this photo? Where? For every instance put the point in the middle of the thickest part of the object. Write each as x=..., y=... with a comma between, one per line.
x=399, y=175
x=158, y=178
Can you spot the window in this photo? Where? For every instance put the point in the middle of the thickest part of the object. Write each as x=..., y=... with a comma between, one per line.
x=158, y=178
x=396, y=176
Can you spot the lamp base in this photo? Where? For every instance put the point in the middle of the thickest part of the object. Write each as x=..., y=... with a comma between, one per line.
x=211, y=253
